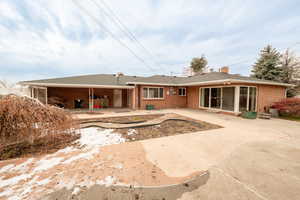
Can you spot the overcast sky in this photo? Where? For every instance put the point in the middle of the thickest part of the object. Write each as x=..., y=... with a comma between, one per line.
x=52, y=38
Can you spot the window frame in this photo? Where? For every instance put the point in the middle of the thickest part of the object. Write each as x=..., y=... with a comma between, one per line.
x=153, y=98
x=182, y=88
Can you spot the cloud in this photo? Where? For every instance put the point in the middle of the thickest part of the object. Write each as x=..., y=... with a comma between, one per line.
x=43, y=38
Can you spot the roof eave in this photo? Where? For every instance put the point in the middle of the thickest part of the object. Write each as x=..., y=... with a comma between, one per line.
x=223, y=81
x=76, y=85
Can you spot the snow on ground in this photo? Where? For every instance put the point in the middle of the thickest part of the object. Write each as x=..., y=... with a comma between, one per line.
x=131, y=132
x=21, y=181
x=91, y=137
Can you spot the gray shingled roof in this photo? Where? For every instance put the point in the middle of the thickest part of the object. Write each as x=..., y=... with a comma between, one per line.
x=113, y=80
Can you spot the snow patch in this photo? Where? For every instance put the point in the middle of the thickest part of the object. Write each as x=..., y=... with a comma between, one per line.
x=45, y=164
x=86, y=155
x=43, y=182
x=6, y=168
x=76, y=191
x=131, y=132
x=22, y=167
x=14, y=180
x=99, y=137
x=108, y=181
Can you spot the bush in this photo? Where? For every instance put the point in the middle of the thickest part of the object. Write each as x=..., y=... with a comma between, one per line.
x=288, y=107
x=24, y=120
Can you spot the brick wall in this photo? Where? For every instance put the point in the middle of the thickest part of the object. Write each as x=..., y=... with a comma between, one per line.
x=169, y=101
x=193, y=97
x=269, y=94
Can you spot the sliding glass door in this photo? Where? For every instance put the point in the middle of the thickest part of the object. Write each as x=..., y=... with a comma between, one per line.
x=247, y=99
x=223, y=98
x=218, y=98
x=228, y=98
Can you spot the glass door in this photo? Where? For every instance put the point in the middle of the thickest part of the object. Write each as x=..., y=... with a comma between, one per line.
x=216, y=98
x=247, y=99
x=228, y=98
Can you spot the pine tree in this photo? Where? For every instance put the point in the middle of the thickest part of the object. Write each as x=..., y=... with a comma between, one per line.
x=267, y=66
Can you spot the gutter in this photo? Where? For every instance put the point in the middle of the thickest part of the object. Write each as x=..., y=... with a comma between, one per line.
x=76, y=85
x=224, y=81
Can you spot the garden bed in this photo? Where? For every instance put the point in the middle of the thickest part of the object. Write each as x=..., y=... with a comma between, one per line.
x=168, y=127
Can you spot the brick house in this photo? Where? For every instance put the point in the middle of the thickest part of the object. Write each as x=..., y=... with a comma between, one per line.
x=218, y=91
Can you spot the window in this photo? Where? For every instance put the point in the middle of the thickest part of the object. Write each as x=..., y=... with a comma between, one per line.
x=247, y=98
x=182, y=92
x=153, y=93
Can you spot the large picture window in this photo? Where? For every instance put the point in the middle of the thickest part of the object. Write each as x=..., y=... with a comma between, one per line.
x=153, y=93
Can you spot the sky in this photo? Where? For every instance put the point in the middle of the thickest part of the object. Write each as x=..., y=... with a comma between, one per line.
x=45, y=39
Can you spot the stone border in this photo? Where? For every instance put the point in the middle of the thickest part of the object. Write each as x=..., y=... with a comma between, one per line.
x=153, y=122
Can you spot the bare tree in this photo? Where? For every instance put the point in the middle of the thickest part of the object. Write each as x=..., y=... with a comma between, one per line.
x=291, y=67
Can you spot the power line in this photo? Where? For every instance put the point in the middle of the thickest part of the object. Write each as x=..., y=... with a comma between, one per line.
x=116, y=20
x=112, y=35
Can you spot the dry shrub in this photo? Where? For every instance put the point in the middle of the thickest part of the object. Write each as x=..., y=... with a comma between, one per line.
x=26, y=120
x=288, y=107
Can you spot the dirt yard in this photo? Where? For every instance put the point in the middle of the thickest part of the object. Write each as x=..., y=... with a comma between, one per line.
x=166, y=128
x=39, y=147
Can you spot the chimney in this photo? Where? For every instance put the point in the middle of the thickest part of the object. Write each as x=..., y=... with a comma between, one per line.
x=225, y=69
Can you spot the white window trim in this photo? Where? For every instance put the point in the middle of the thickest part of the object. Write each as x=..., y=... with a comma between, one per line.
x=184, y=91
x=236, y=100
x=159, y=98
x=248, y=96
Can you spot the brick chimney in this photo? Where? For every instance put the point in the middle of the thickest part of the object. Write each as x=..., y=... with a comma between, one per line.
x=225, y=69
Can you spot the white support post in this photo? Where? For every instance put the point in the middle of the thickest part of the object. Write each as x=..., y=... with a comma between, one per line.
x=248, y=92
x=221, y=100
x=237, y=99
x=209, y=102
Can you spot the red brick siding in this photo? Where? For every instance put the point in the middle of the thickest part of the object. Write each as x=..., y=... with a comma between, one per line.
x=268, y=95
x=193, y=97
x=169, y=101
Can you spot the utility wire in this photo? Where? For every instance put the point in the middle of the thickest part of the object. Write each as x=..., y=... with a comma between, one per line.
x=112, y=35
x=116, y=20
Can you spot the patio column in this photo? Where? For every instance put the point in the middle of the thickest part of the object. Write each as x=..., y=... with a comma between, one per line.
x=237, y=99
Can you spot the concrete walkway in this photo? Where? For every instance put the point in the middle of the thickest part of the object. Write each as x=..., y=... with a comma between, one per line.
x=247, y=159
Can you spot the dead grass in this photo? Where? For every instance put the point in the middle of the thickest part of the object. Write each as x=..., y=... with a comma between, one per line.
x=27, y=125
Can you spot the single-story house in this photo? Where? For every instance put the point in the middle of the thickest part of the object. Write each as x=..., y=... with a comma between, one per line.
x=218, y=91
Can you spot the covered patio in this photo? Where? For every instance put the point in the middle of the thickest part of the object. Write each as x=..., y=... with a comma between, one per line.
x=80, y=98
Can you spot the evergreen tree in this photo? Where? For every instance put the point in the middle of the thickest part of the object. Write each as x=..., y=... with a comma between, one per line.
x=267, y=66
